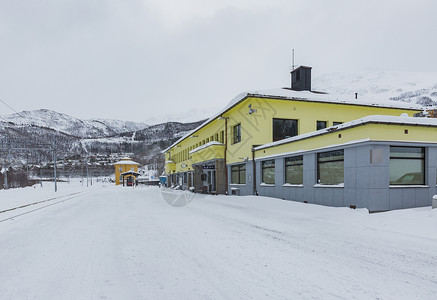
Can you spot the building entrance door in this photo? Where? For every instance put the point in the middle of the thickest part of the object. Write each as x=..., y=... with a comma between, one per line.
x=212, y=183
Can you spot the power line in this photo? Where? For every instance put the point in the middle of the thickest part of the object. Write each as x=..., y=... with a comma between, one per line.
x=11, y=108
x=8, y=106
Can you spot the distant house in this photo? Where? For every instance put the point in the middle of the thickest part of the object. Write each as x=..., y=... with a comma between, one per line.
x=126, y=171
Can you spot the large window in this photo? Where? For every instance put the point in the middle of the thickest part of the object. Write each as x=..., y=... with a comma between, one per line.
x=238, y=174
x=236, y=134
x=330, y=167
x=284, y=128
x=407, y=165
x=294, y=170
x=268, y=171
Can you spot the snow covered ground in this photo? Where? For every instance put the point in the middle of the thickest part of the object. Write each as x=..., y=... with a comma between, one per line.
x=108, y=242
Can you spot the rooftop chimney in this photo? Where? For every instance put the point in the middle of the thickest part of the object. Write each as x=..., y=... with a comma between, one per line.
x=301, y=79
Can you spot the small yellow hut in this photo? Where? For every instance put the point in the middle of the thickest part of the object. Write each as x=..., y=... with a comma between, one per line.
x=126, y=171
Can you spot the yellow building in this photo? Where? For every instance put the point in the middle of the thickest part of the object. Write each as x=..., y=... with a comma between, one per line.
x=201, y=158
x=126, y=171
x=297, y=144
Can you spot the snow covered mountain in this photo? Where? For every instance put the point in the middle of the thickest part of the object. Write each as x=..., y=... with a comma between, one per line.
x=83, y=138
x=413, y=87
x=72, y=126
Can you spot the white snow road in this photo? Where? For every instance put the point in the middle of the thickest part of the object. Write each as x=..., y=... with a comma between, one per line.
x=120, y=243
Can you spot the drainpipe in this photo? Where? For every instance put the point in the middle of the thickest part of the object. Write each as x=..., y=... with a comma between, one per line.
x=226, y=150
x=254, y=172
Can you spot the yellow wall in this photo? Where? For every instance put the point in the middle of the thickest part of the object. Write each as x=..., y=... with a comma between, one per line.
x=121, y=168
x=216, y=151
x=257, y=128
x=374, y=132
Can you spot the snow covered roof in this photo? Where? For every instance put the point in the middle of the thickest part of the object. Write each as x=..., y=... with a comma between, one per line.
x=205, y=146
x=305, y=96
x=378, y=119
x=130, y=173
x=125, y=161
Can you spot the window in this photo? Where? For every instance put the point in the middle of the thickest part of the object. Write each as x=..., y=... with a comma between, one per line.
x=222, y=136
x=216, y=137
x=238, y=174
x=294, y=170
x=268, y=171
x=321, y=125
x=336, y=123
x=284, y=128
x=407, y=166
x=330, y=167
x=236, y=133
x=203, y=177
x=207, y=140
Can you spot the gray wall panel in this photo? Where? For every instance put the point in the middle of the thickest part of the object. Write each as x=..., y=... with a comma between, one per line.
x=338, y=197
x=379, y=177
x=362, y=198
x=363, y=177
x=396, y=198
x=408, y=198
x=350, y=197
x=318, y=196
x=328, y=196
x=422, y=197
x=379, y=200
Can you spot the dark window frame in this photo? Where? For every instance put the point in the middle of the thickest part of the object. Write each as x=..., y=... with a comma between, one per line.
x=290, y=162
x=321, y=124
x=320, y=162
x=240, y=170
x=265, y=167
x=423, y=152
x=236, y=133
x=281, y=134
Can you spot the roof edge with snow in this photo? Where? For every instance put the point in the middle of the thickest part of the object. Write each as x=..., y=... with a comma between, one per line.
x=305, y=96
x=375, y=119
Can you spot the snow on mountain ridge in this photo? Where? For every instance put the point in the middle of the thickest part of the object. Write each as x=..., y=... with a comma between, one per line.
x=412, y=87
x=71, y=125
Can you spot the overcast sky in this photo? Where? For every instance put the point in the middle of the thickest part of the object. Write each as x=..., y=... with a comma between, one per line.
x=145, y=60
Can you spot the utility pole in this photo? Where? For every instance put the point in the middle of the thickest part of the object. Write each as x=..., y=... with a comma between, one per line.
x=6, y=169
x=87, y=175
x=54, y=161
x=6, y=165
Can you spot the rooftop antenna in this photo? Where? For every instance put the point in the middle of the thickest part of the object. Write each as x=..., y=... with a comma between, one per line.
x=292, y=60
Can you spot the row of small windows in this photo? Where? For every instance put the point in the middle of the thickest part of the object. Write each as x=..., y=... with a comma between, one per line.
x=330, y=169
x=407, y=167
x=185, y=154
x=282, y=129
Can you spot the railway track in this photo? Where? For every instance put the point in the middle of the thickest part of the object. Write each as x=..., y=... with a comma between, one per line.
x=48, y=201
